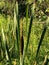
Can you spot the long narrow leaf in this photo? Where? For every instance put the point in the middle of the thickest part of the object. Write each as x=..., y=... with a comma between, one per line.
x=3, y=37
x=40, y=42
x=6, y=47
x=17, y=26
x=17, y=38
x=8, y=52
x=15, y=15
x=26, y=17
x=28, y=37
x=29, y=31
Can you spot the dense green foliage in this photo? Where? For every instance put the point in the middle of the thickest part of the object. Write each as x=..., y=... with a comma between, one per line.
x=33, y=19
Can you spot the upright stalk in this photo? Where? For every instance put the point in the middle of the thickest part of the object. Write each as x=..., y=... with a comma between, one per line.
x=21, y=41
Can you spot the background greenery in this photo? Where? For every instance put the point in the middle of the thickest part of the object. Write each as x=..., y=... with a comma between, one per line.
x=9, y=53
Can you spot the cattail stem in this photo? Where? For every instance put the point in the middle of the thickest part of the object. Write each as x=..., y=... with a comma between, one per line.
x=21, y=41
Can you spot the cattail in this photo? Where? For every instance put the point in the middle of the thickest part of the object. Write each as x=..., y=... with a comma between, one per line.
x=22, y=44
x=21, y=38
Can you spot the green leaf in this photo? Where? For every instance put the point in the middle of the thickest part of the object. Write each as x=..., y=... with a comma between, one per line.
x=17, y=38
x=26, y=17
x=7, y=49
x=40, y=42
x=29, y=31
x=28, y=37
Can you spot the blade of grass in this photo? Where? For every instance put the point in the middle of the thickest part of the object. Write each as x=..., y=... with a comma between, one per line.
x=14, y=20
x=8, y=54
x=16, y=8
x=17, y=38
x=17, y=24
x=6, y=48
x=3, y=37
x=45, y=62
x=8, y=51
x=28, y=37
x=26, y=17
x=40, y=42
x=29, y=31
x=15, y=15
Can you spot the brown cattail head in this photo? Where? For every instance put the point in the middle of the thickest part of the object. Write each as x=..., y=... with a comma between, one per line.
x=22, y=45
